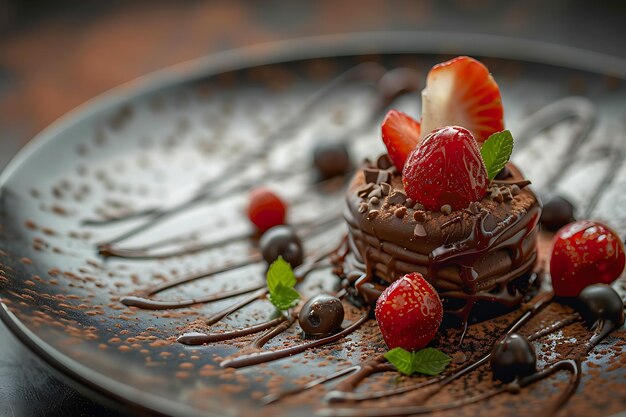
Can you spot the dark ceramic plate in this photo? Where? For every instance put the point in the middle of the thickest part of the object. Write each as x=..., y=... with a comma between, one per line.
x=147, y=148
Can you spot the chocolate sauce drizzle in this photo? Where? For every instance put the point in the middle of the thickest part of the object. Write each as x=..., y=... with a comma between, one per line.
x=602, y=329
x=464, y=254
x=368, y=72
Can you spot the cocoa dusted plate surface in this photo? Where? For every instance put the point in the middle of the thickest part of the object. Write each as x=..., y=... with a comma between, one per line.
x=172, y=155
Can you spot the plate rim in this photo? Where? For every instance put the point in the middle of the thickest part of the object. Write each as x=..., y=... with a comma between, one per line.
x=271, y=53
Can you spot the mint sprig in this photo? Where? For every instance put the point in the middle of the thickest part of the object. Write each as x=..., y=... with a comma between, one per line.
x=428, y=361
x=280, y=284
x=496, y=151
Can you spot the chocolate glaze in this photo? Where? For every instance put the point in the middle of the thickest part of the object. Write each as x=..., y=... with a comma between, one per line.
x=469, y=255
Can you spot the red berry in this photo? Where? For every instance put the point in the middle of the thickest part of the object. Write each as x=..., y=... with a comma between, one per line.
x=446, y=169
x=401, y=134
x=585, y=253
x=265, y=209
x=462, y=92
x=409, y=312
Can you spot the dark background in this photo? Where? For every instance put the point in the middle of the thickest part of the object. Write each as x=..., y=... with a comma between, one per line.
x=55, y=55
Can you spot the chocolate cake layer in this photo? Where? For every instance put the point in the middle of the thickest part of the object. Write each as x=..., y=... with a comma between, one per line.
x=470, y=254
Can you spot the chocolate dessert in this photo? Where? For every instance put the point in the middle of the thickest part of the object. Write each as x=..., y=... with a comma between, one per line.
x=469, y=255
x=248, y=315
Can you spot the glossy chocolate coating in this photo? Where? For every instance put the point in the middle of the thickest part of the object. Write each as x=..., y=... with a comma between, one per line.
x=513, y=357
x=331, y=159
x=322, y=315
x=601, y=302
x=281, y=240
x=557, y=212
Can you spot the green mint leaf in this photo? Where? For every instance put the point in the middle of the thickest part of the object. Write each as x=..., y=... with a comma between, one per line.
x=280, y=283
x=401, y=359
x=280, y=272
x=284, y=298
x=496, y=152
x=429, y=361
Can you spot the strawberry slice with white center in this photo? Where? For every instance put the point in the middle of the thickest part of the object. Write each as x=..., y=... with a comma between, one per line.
x=462, y=92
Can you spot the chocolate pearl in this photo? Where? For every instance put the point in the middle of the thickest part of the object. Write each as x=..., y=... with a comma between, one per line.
x=331, y=159
x=383, y=161
x=322, y=315
x=513, y=357
x=503, y=174
x=556, y=213
x=601, y=302
x=281, y=240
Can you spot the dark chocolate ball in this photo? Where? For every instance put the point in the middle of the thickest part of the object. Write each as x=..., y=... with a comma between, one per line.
x=513, y=357
x=556, y=213
x=504, y=173
x=322, y=315
x=331, y=159
x=281, y=241
x=601, y=302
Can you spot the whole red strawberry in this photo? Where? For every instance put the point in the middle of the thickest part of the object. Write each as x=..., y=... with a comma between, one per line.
x=266, y=209
x=401, y=134
x=585, y=253
x=446, y=169
x=409, y=313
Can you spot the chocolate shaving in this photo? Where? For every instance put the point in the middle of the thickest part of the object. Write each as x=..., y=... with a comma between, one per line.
x=371, y=175
x=383, y=161
x=419, y=230
x=397, y=197
x=376, y=192
x=365, y=189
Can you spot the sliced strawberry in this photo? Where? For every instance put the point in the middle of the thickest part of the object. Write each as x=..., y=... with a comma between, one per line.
x=462, y=92
x=401, y=134
x=446, y=169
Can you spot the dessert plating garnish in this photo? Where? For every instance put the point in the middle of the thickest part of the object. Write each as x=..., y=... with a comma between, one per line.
x=446, y=168
x=281, y=241
x=401, y=134
x=331, y=160
x=280, y=284
x=409, y=312
x=557, y=212
x=462, y=92
x=322, y=315
x=266, y=209
x=428, y=361
x=602, y=303
x=496, y=152
x=513, y=357
x=585, y=253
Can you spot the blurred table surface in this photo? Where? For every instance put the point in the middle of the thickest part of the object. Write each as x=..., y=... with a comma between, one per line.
x=56, y=55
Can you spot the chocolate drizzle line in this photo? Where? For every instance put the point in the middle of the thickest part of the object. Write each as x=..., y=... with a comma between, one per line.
x=571, y=365
x=268, y=356
x=367, y=72
x=578, y=108
x=541, y=301
x=144, y=253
